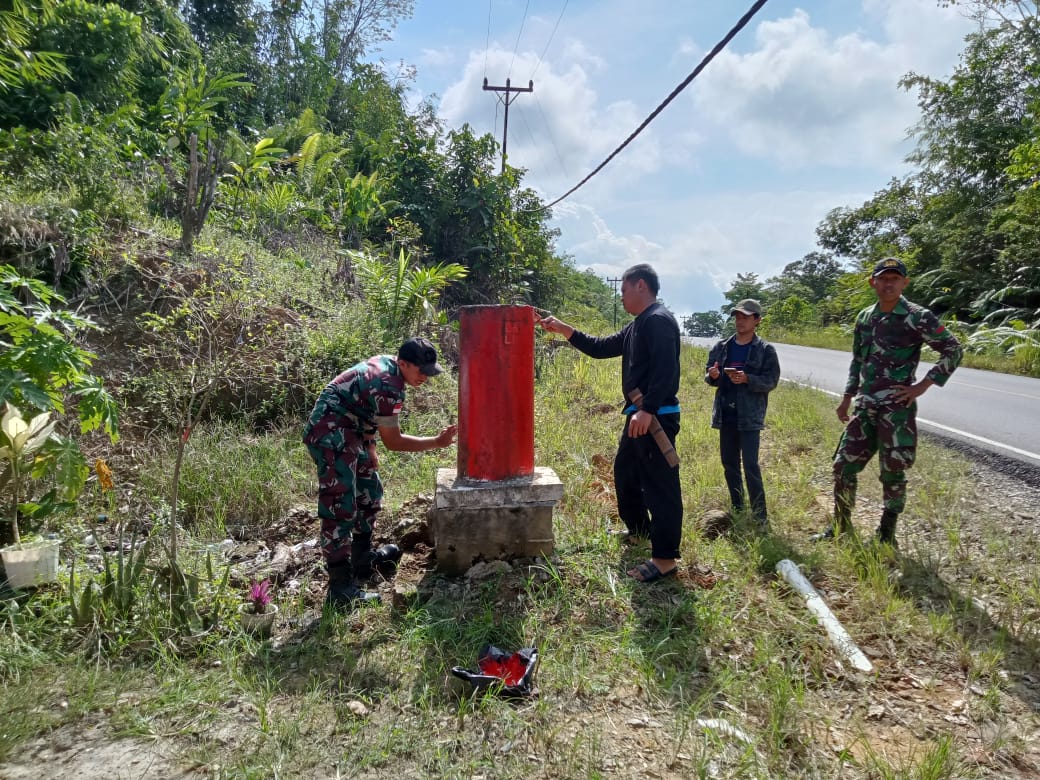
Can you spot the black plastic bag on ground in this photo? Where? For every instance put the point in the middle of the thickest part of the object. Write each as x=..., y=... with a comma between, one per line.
x=507, y=674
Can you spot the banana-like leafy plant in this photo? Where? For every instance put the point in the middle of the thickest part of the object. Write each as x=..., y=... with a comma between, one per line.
x=254, y=170
x=19, y=440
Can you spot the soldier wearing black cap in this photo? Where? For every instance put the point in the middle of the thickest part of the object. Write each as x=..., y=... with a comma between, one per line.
x=886, y=349
x=341, y=438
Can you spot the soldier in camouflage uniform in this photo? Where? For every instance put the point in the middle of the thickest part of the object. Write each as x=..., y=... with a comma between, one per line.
x=886, y=349
x=341, y=438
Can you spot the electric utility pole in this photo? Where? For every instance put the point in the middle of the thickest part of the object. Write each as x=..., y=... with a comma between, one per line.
x=613, y=284
x=509, y=98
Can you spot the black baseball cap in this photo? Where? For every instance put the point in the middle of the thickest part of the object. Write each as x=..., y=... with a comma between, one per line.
x=421, y=353
x=888, y=264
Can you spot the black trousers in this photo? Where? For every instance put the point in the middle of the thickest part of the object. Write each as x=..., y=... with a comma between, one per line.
x=736, y=446
x=649, y=495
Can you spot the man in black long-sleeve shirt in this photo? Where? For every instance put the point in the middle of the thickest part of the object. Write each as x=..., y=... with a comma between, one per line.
x=648, y=492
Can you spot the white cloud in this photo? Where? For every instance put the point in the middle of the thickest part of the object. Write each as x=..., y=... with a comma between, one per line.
x=903, y=23
x=801, y=98
x=558, y=133
x=805, y=97
x=438, y=58
x=577, y=52
x=698, y=256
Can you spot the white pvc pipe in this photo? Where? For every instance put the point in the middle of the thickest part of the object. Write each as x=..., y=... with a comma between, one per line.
x=835, y=630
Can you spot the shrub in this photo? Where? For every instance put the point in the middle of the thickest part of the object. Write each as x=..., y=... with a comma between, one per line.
x=39, y=365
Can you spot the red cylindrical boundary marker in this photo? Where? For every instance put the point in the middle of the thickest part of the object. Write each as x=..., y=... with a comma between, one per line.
x=496, y=392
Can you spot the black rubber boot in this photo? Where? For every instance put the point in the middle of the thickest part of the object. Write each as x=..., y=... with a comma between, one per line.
x=842, y=522
x=343, y=593
x=385, y=559
x=886, y=530
x=367, y=561
x=361, y=555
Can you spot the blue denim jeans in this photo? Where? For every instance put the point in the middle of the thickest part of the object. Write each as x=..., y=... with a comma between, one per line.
x=736, y=446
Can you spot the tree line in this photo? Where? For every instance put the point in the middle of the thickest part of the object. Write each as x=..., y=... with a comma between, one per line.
x=269, y=120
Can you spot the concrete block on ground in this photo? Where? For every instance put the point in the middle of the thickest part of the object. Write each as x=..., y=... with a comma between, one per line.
x=542, y=487
x=500, y=520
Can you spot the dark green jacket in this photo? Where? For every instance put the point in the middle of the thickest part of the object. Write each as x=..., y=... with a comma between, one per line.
x=763, y=373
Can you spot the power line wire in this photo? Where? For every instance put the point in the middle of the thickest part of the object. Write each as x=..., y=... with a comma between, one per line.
x=551, y=36
x=521, y=32
x=552, y=140
x=487, y=41
x=755, y=8
x=530, y=133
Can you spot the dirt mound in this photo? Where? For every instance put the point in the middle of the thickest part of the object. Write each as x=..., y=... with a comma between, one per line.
x=288, y=553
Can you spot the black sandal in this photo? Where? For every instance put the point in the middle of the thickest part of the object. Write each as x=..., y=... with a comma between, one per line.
x=648, y=572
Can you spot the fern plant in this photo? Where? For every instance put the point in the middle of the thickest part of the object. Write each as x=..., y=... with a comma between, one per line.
x=403, y=297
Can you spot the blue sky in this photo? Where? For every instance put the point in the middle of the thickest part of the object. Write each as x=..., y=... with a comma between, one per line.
x=801, y=114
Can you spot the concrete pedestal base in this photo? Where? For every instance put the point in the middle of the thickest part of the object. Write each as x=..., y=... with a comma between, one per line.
x=484, y=521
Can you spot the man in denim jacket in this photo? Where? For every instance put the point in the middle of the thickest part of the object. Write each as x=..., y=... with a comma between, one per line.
x=743, y=369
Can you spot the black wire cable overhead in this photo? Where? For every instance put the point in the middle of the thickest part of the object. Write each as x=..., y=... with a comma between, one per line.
x=755, y=8
x=487, y=42
x=519, y=33
x=551, y=36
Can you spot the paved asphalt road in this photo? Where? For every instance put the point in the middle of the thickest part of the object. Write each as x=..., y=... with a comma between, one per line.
x=999, y=413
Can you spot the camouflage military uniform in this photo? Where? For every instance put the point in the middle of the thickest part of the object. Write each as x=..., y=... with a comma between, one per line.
x=886, y=349
x=343, y=421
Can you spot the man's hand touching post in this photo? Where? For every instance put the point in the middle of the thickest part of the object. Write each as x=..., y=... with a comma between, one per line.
x=553, y=325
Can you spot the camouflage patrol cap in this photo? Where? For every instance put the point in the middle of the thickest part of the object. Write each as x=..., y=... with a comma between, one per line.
x=888, y=264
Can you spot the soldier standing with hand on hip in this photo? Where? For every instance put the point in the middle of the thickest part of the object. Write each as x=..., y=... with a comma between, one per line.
x=886, y=349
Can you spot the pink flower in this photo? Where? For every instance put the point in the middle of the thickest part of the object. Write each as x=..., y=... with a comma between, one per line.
x=260, y=596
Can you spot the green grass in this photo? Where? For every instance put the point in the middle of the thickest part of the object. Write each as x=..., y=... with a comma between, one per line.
x=632, y=677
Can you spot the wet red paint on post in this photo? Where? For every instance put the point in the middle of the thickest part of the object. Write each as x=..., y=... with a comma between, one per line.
x=496, y=392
